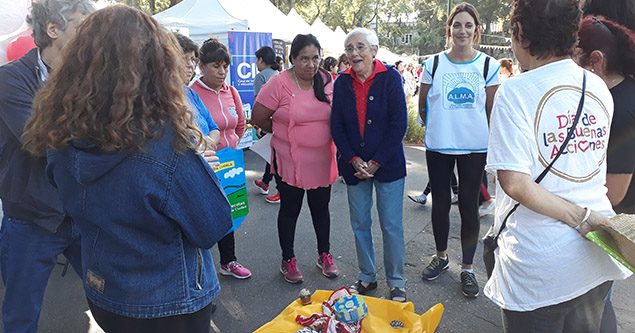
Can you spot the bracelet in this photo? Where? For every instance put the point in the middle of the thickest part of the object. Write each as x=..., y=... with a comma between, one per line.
x=587, y=213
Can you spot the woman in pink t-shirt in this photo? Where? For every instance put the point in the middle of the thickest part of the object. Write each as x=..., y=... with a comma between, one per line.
x=296, y=107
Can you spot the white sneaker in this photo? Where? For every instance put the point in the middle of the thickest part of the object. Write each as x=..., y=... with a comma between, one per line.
x=482, y=211
x=420, y=199
x=455, y=198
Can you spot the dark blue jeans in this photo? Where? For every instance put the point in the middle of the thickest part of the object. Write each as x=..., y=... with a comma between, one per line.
x=581, y=314
x=28, y=254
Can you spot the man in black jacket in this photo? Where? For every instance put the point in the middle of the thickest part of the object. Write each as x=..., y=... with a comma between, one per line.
x=35, y=229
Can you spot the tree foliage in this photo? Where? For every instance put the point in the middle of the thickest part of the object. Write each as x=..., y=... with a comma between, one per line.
x=392, y=19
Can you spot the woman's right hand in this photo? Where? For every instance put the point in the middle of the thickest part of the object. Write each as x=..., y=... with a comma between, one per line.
x=593, y=223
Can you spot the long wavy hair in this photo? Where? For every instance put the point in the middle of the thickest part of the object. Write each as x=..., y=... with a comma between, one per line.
x=119, y=86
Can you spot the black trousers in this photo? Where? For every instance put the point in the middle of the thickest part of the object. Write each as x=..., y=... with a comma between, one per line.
x=227, y=249
x=267, y=176
x=440, y=169
x=291, y=198
x=455, y=186
x=197, y=322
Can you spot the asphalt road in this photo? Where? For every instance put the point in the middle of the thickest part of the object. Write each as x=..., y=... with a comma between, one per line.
x=245, y=305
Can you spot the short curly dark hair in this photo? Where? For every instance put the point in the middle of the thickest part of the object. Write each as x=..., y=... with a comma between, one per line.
x=549, y=26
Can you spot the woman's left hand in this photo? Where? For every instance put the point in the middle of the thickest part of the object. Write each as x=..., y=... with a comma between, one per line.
x=371, y=168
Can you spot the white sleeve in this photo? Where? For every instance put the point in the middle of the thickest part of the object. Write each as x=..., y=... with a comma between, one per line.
x=511, y=136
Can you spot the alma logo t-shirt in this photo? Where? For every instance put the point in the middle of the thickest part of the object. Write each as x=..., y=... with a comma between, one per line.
x=456, y=119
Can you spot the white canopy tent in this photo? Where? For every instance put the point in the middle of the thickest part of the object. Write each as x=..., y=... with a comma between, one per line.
x=202, y=18
x=326, y=37
x=296, y=23
x=262, y=16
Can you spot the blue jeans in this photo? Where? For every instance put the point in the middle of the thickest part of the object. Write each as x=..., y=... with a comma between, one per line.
x=28, y=254
x=390, y=209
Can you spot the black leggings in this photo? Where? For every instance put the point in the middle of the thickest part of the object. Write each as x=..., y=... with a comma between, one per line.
x=267, y=176
x=197, y=322
x=227, y=249
x=291, y=198
x=455, y=186
x=440, y=169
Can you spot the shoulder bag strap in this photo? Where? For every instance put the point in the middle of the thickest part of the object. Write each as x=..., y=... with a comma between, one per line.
x=562, y=148
x=486, y=68
x=435, y=65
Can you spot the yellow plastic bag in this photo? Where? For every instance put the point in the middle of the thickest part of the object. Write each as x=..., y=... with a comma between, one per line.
x=380, y=313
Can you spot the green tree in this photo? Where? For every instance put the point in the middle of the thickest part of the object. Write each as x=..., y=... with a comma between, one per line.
x=148, y=6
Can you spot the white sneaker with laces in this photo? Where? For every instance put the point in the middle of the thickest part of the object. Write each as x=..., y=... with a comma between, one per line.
x=420, y=199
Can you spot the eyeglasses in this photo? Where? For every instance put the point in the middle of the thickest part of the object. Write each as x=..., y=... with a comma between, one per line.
x=359, y=49
x=192, y=61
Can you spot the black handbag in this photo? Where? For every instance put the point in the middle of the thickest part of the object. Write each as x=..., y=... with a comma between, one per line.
x=490, y=240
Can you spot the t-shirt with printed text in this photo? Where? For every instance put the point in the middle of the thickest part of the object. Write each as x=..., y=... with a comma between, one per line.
x=541, y=261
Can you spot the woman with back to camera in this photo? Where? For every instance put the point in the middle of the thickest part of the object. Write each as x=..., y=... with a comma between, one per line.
x=226, y=108
x=608, y=50
x=267, y=67
x=296, y=107
x=548, y=277
x=457, y=92
x=122, y=157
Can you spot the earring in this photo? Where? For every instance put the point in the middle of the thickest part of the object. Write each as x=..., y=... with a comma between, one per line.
x=592, y=70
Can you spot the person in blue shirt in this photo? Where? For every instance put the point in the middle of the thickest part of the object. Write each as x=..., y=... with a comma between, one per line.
x=203, y=117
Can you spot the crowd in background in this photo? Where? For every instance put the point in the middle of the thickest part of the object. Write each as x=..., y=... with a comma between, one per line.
x=114, y=168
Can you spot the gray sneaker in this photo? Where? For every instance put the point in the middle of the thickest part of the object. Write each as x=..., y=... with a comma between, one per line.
x=469, y=286
x=435, y=268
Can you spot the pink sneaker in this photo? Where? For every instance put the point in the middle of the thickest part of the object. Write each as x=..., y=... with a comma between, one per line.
x=235, y=269
x=290, y=271
x=274, y=199
x=325, y=262
x=262, y=187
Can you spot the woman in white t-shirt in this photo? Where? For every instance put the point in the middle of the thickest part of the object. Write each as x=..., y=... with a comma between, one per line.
x=547, y=276
x=457, y=92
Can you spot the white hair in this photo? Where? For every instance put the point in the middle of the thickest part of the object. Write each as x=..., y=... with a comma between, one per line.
x=370, y=35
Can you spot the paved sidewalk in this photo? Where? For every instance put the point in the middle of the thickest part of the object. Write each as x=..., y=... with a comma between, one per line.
x=245, y=305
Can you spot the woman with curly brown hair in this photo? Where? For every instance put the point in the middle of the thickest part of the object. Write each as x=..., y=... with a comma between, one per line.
x=121, y=151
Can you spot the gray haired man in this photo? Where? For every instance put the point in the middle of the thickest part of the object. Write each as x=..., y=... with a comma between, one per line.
x=35, y=229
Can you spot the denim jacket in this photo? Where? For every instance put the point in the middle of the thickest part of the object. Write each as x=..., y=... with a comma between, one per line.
x=146, y=220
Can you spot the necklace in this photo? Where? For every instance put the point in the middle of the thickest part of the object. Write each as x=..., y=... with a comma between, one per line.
x=295, y=78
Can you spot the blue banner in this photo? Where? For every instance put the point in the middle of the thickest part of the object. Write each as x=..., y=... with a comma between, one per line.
x=242, y=47
x=231, y=174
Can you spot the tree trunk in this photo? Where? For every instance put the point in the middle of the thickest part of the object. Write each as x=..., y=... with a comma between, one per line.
x=173, y=3
x=153, y=7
